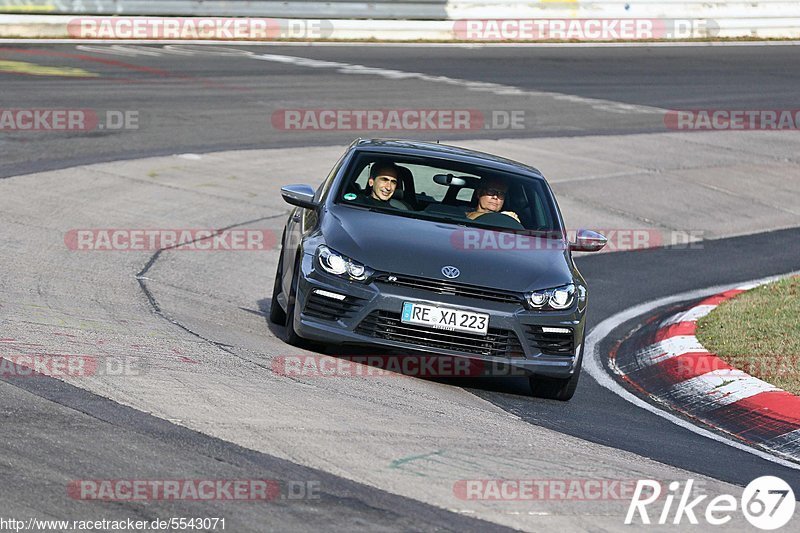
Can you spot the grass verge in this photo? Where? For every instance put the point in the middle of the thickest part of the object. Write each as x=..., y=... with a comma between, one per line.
x=758, y=332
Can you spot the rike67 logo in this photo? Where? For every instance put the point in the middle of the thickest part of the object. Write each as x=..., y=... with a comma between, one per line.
x=767, y=503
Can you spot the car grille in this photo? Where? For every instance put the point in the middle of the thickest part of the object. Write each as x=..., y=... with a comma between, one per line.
x=551, y=343
x=444, y=287
x=387, y=325
x=330, y=309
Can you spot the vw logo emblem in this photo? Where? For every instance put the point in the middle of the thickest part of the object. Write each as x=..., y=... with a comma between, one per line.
x=451, y=272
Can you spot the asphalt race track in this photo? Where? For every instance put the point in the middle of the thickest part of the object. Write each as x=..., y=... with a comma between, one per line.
x=200, y=103
x=199, y=320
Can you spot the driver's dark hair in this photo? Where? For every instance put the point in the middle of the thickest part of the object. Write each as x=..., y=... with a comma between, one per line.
x=484, y=183
x=382, y=165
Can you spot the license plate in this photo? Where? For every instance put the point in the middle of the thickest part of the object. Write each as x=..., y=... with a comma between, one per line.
x=444, y=318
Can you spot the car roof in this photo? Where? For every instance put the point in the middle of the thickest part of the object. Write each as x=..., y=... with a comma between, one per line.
x=444, y=151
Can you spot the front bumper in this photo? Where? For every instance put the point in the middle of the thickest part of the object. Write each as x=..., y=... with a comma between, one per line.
x=370, y=317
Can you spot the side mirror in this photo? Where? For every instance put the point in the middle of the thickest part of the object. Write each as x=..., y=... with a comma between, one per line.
x=299, y=195
x=588, y=241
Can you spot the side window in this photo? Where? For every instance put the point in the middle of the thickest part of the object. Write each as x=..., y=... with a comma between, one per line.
x=538, y=211
x=363, y=178
x=465, y=194
x=542, y=216
x=325, y=186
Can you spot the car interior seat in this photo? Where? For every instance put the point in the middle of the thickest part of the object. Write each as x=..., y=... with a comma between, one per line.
x=517, y=201
x=405, y=186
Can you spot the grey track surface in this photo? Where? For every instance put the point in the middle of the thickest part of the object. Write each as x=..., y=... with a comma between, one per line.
x=205, y=103
x=78, y=435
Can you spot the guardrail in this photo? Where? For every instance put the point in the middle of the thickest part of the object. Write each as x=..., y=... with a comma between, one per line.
x=415, y=9
x=344, y=9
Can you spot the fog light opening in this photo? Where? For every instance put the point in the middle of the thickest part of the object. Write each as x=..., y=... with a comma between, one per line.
x=328, y=294
x=555, y=330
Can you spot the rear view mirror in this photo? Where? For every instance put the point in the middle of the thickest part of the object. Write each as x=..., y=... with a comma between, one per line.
x=449, y=179
x=299, y=195
x=588, y=241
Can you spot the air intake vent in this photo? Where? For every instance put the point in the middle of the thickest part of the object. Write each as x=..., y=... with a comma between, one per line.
x=445, y=287
x=387, y=325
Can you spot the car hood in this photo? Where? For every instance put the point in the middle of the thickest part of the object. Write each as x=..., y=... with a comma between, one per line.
x=488, y=258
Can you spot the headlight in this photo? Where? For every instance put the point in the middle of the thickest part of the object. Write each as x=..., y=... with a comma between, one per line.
x=340, y=265
x=538, y=299
x=557, y=298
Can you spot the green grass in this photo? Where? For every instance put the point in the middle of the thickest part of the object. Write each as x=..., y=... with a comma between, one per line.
x=758, y=332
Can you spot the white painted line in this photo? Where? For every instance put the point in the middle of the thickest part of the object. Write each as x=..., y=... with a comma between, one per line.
x=788, y=442
x=748, y=286
x=717, y=388
x=691, y=315
x=121, y=50
x=494, y=88
x=594, y=366
x=669, y=348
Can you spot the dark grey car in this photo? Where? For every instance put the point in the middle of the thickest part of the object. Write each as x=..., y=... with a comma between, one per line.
x=417, y=275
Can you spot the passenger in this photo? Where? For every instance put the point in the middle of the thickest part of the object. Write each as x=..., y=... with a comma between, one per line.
x=491, y=196
x=383, y=178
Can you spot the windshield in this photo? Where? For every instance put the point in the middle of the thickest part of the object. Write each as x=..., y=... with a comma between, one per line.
x=449, y=191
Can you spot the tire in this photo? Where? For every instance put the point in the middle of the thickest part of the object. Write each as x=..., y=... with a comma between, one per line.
x=291, y=335
x=561, y=389
x=276, y=313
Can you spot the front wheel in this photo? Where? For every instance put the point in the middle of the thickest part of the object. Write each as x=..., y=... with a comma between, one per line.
x=291, y=335
x=561, y=389
x=276, y=313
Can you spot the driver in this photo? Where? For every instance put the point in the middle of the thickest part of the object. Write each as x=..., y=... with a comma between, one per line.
x=491, y=196
x=383, y=179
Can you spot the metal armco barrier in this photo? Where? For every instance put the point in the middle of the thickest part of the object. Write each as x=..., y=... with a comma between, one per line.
x=686, y=9
x=344, y=9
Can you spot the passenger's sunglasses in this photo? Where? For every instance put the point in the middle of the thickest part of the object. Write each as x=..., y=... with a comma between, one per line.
x=493, y=192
